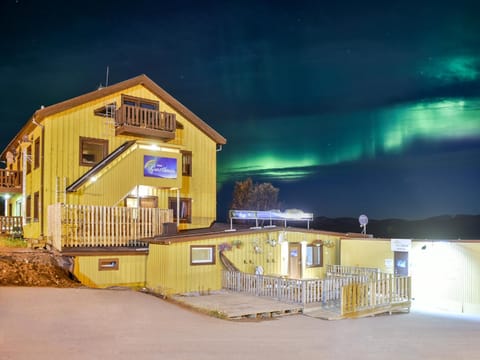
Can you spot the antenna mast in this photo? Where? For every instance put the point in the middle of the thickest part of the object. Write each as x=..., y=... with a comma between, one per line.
x=106, y=77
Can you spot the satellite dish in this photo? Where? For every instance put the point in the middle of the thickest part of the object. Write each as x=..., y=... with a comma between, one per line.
x=363, y=220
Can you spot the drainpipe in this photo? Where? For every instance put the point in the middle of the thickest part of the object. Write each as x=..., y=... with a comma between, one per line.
x=6, y=197
x=178, y=209
x=24, y=186
x=42, y=170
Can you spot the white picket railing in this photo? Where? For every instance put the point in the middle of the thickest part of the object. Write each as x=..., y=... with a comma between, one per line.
x=351, y=294
x=342, y=270
x=102, y=226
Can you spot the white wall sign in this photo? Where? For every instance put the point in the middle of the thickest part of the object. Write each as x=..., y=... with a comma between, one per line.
x=403, y=245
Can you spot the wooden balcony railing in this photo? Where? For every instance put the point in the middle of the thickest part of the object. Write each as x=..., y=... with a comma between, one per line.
x=137, y=121
x=10, y=181
x=11, y=225
x=102, y=226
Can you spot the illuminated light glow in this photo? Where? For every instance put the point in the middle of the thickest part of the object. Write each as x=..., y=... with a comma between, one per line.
x=93, y=179
x=158, y=148
x=140, y=191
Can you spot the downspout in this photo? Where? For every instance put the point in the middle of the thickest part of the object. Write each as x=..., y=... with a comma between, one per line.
x=178, y=209
x=24, y=186
x=42, y=172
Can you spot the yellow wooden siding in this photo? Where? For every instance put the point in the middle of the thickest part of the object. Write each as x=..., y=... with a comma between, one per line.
x=61, y=162
x=32, y=184
x=120, y=178
x=445, y=274
x=367, y=253
x=131, y=271
x=169, y=270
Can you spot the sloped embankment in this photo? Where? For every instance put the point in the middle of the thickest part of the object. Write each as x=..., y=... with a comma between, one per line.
x=26, y=267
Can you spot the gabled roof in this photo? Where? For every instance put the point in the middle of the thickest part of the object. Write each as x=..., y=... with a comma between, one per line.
x=144, y=80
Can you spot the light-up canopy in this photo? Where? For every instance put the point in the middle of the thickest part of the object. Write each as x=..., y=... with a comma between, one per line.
x=271, y=215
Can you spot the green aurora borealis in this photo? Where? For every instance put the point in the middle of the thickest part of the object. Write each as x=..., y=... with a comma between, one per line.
x=347, y=107
x=292, y=148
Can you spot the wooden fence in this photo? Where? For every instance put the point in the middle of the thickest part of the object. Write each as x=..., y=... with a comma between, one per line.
x=342, y=270
x=11, y=225
x=288, y=290
x=376, y=295
x=352, y=294
x=101, y=226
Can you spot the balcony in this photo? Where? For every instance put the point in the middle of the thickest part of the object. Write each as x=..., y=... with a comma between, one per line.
x=10, y=181
x=146, y=123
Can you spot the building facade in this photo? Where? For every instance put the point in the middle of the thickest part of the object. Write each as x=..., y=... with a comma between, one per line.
x=129, y=145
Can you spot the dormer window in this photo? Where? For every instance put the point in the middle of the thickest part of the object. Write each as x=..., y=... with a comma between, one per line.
x=140, y=102
x=107, y=110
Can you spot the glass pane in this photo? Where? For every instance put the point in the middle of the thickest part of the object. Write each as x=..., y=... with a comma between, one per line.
x=92, y=153
x=202, y=255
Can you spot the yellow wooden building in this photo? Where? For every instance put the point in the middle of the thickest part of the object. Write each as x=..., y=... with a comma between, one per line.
x=192, y=261
x=101, y=155
x=123, y=180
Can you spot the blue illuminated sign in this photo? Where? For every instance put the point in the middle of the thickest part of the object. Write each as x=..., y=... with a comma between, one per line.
x=159, y=167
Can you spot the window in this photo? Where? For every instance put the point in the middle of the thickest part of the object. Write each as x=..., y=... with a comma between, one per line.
x=108, y=264
x=29, y=159
x=139, y=102
x=106, y=111
x=202, y=255
x=36, y=161
x=92, y=151
x=36, y=205
x=185, y=209
x=186, y=163
x=314, y=255
x=28, y=207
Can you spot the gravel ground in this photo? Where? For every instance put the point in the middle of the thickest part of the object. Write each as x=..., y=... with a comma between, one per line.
x=27, y=267
x=54, y=323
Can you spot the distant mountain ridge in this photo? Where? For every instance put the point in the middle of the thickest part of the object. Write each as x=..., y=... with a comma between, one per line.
x=435, y=228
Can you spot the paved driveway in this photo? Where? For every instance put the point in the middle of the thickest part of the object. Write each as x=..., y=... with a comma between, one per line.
x=50, y=323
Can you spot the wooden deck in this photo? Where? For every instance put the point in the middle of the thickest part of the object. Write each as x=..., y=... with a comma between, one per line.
x=345, y=293
x=334, y=311
x=237, y=306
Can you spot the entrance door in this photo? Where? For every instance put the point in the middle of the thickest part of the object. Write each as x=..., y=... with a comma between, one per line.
x=400, y=259
x=295, y=260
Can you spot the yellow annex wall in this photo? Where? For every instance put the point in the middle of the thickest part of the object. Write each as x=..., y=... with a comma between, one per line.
x=169, y=269
x=445, y=274
x=363, y=252
x=131, y=270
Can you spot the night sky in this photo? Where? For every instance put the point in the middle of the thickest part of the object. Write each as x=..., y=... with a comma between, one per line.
x=347, y=107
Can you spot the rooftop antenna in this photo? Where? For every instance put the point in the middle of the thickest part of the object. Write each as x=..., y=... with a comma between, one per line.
x=363, y=220
x=106, y=77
